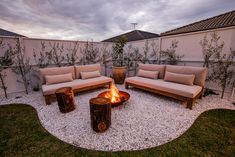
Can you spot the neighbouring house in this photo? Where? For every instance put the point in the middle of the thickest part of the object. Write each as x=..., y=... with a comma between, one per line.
x=220, y=21
x=189, y=36
x=134, y=35
x=7, y=33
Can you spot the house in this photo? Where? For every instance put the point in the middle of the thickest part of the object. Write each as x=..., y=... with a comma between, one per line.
x=134, y=36
x=4, y=32
x=190, y=36
x=220, y=21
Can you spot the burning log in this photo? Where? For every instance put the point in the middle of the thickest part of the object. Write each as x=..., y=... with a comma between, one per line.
x=116, y=97
x=100, y=112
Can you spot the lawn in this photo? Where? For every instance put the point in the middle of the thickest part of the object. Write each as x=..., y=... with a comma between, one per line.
x=21, y=134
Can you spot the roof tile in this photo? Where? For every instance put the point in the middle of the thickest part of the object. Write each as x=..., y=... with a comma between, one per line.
x=219, y=21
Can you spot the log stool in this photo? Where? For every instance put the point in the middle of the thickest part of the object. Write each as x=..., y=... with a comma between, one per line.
x=100, y=112
x=65, y=99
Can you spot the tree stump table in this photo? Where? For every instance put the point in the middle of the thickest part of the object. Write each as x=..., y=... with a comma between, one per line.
x=65, y=99
x=100, y=112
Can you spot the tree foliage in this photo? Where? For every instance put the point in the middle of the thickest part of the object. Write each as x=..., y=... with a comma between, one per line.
x=90, y=54
x=42, y=60
x=220, y=64
x=72, y=55
x=56, y=53
x=223, y=70
x=210, y=48
x=169, y=55
x=6, y=60
x=118, y=50
x=22, y=65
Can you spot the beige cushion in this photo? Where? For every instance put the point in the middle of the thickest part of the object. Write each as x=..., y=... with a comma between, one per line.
x=148, y=74
x=86, y=68
x=170, y=87
x=75, y=84
x=199, y=72
x=179, y=78
x=56, y=71
x=153, y=67
x=92, y=74
x=53, y=79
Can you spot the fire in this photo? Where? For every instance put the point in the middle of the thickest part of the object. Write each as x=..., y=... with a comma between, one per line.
x=113, y=94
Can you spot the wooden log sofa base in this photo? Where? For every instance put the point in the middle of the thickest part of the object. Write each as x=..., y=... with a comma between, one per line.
x=184, y=83
x=190, y=101
x=52, y=97
x=80, y=78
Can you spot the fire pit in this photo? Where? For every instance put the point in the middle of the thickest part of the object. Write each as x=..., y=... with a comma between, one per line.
x=117, y=97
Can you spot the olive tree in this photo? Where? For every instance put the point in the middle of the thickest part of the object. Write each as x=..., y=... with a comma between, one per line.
x=6, y=60
x=210, y=47
x=169, y=55
x=21, y=66
x=223, y=69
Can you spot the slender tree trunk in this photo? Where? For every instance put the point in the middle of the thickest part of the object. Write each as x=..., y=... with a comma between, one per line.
x=23, y=77
x=3, y=85
x=105, y=68
x=223, y=88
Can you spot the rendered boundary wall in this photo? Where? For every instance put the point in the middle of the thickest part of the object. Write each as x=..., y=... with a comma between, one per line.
x=189, y=46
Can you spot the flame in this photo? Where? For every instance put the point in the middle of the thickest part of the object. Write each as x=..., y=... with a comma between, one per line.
x=113, y=94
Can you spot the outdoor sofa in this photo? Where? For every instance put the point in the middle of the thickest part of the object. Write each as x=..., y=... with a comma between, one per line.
x=80, y=78
x=184, y=83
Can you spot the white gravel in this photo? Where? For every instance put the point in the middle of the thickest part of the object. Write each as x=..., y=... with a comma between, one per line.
x=146, y=120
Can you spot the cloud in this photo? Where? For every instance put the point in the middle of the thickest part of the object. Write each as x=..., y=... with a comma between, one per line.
x=98, y=20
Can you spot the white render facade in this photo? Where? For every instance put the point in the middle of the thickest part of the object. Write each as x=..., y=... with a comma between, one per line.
x=189, y=46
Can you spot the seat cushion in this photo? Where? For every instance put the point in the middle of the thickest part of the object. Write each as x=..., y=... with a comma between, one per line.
x=170, y=87
x=75, y=84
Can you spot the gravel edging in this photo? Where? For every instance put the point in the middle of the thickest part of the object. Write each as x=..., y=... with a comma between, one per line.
x=146, y=120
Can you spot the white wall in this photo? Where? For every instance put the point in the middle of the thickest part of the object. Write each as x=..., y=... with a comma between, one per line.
x=189, y=46
x=30, y=45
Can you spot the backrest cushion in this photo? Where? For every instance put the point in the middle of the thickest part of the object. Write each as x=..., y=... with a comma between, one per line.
x=153, y=67
x=199, y=72
x=56, y=71
x=91, y=74
x=53, y=79
x=148, y=74
x=186, y=79
x=86, y=68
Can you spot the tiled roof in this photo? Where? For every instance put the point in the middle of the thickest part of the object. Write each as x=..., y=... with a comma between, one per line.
x=134, y=36
x=220, y=21
x=8, y=33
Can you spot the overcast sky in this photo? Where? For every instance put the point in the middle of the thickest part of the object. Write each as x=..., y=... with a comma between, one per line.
x=101, y=19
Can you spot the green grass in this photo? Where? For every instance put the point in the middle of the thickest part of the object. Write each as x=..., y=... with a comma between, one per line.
x=21, y=134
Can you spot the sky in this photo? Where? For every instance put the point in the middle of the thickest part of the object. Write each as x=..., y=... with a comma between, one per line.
x=101, y=19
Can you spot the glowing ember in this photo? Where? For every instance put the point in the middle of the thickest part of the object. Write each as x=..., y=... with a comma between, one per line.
x=113, y=94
